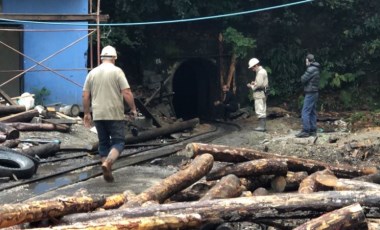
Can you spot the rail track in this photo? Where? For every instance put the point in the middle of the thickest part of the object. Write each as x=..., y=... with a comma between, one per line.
x=68, y=169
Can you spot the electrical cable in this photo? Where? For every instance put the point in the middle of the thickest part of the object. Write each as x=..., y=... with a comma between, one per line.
x=165, y=21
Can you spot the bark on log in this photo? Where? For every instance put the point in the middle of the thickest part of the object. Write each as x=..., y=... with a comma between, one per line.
x=256, y=207
x=14, y=214
x=347, y=218
x=355, y=185
x=9, y=131
x=294, y=179
x=310, y=184
x=11, y=109
x=373, y=178
x=162, y=131
x=21, y=126
x=26, y=116
x=199, y=167
x=251, y=168
x=42, y=151
x=10, y=143
x=179, y=221
x=227, y=187
x=233, y=154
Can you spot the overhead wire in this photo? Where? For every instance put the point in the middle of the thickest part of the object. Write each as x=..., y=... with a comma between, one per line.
x=165, y=21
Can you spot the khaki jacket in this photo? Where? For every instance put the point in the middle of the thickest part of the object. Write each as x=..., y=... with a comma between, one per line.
x=261, y=83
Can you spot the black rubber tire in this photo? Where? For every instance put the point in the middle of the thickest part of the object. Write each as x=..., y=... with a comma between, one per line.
x=12, y=162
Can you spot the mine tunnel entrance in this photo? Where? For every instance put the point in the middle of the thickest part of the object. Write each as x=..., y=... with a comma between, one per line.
x=196, y=86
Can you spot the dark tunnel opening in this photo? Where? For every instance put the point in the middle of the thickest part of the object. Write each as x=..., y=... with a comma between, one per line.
x=196, y=87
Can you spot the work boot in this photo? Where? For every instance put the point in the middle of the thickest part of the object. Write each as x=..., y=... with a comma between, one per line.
x=313, y=133
x=262, y=124
x=303, y=134
x=107, y=165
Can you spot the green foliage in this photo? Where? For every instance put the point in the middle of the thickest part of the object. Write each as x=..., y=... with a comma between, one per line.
x=240, y=43
x=40, y=95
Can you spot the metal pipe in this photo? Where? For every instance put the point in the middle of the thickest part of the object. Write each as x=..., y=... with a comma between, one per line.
x=98, y=30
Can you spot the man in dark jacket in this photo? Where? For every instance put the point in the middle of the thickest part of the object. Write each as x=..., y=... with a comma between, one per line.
x=310, y=81
x=228, y=104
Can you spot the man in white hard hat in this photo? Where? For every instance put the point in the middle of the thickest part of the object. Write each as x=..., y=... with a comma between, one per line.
x=104, y=90
x=259, y=87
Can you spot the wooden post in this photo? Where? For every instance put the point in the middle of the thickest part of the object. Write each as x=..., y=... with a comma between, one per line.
x=227, y=187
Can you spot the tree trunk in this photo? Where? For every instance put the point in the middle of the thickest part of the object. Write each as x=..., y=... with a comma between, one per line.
x=177, y=221
x=347, y=218
x=199, y=167
x=251, y=168
x=9, y=131
x=227, y=187
x=231, y=71
x=42, y=151
x=256, y=207
x=294, y=179
x=233, y=154
x=21, y=126
x=11, y=109
x=310, y=184
x=14, y=214
x=26, y=116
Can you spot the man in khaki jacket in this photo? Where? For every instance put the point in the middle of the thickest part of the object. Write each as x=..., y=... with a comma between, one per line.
x=259, y=87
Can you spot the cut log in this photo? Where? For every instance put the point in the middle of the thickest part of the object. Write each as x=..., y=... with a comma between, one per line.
x=347, y=184
x=115, y=201
x=310, y=184
x=10, y=143
x=373, y=178
x=11, y=109
x=233, y=154
x=278, y=184
x=26, y=116
x=199, y=167
x=9, y=131
x=373, y=224
x=252, y=183
x=42, y=151
x=256, y=207
x=227, y=187
x=193, y=193
x=21, y=126
x=3, y=137
x=261, y=192
x=14, y=214
x=179, y=221
x=347, y=218
x=328, y=180
x=294, y=179
x=251, y=168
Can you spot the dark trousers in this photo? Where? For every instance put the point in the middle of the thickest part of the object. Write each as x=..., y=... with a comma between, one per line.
x=111, y=134
x=309, y=112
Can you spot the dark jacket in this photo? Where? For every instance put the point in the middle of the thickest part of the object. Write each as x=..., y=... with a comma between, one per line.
x=231, y=101
x=310, y=79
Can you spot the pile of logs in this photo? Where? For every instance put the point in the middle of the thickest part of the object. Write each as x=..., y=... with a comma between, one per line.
x=275, y=190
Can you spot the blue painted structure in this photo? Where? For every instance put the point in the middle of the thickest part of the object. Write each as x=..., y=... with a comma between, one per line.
x=41, y=45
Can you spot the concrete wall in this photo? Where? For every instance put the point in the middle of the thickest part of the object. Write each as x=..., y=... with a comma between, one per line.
x=41, y=45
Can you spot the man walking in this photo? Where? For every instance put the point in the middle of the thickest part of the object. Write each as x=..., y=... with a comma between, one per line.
x=104, y=90
x=310, y=81
x=259, y=87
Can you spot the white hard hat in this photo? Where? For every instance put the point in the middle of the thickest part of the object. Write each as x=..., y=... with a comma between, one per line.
x=253, y=62
x=109, y=51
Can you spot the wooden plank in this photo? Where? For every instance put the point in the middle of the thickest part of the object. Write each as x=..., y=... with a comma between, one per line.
x=7, y=98
x=145, y=111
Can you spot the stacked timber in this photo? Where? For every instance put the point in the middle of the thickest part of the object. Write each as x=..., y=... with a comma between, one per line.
x=263, y=188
